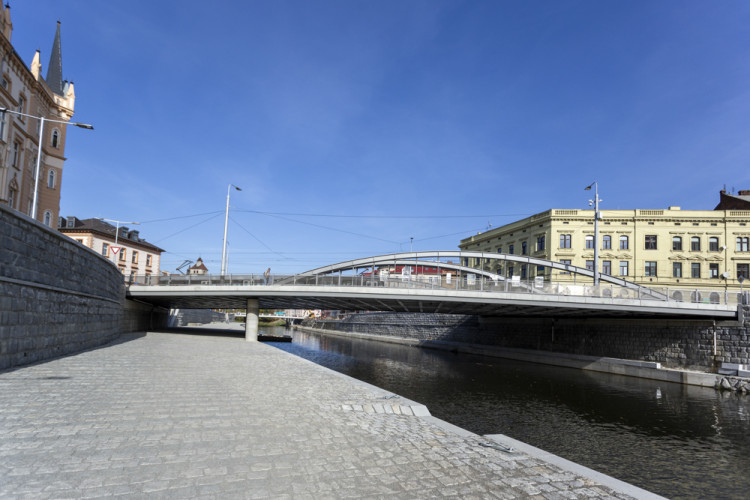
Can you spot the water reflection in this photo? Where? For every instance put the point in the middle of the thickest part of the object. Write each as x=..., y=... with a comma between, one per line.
x=675, y=440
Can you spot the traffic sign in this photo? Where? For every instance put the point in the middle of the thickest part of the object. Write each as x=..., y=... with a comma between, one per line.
x=115, y=250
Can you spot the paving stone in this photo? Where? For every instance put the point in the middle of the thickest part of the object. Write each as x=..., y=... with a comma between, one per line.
x=187, y=416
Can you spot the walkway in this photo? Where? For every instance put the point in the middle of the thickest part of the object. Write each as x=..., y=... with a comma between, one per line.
x=186, y=416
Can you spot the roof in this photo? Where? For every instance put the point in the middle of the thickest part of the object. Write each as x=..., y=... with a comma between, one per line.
x=199, y=265
x=739, y=201
x=106, y=230
x=54, y=76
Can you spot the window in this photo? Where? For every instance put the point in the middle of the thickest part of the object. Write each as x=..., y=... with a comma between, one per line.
x=55, y=138
x=134, y=260
x=677, y=269
x=540, y=243
x=3, y=125
x=713, y=244
x=651, y=242
x=148, y=259
x=607, y=267
x=695, y=244
x=676, y=243
x=695, y=270
x=742, y=243
x=523, y=270
x=123, y=253
x=743, y=271
x=105, y=249
x=590, y=241
x=540, y=270
x=21, y=104
x=523, y=248
x=51, y=176
x=623, y=243
x=12, y=198
x=510, y=271
x=590, y=265
x=15, y=160
x=623, y=268
x=510, y=249
x=606, y=242
x=713, y=271
x=650, y=268
x=566, y=262
x=48, y=218
x=499, y=249
x=565, y=241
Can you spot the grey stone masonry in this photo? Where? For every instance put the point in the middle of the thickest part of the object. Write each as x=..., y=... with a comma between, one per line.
x=673, y=343
x=189, y=416
x=56, y=296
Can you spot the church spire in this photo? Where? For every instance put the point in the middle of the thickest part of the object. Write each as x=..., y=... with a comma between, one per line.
x=54, y=68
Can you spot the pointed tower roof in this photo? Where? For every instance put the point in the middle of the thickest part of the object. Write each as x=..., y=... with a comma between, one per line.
x=54, y=68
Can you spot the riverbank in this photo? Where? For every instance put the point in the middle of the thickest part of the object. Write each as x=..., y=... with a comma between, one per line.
x=138, y=418
x=634, y=368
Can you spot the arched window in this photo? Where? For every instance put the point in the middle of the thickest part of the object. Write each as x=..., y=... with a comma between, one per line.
x=48, y=218
x=606, y=242
x=51, y=178
x=55, y=138
x=589, y=241
x=623, y=242
x=676, y=243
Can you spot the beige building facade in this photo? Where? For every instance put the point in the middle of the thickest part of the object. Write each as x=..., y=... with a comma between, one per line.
x=695, y=249
x=132, y=255
x=25, y=90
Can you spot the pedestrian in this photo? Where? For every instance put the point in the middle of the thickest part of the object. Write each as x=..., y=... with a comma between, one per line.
x=266, y=275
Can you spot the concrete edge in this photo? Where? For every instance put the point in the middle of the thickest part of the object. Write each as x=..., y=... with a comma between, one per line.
x=580, y=470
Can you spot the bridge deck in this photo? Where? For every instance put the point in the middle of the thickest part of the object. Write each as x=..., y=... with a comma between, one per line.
x=481, y=302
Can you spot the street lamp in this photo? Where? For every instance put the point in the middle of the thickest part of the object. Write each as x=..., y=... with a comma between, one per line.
x=226, y=222
x=41, y=143
x=597, y=216
x=117, y=227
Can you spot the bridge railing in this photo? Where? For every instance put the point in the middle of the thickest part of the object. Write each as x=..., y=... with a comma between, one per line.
x=458, y=283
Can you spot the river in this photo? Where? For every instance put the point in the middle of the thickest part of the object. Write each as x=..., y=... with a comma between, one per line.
x=674, y=440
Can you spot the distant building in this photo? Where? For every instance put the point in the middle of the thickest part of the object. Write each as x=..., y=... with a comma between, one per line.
x=696, y=249
x=133, y=255
x=24, y=90
x=198, y=268
x=739, y=201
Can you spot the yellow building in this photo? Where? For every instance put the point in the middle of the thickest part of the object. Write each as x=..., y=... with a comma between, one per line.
x=696, y=249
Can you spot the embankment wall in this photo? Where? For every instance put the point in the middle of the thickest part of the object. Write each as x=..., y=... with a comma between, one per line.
x=58, y=297
x=683, y=344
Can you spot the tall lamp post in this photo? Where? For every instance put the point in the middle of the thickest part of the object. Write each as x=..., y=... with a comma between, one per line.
x=117, y=227
x=226, y=223
x=41, y=143
x=597, y=216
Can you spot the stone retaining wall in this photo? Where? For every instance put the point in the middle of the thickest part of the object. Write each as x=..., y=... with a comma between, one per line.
x=674, y=344
x=56, y=296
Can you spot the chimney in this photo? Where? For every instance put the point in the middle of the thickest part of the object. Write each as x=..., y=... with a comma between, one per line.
x=744, y=192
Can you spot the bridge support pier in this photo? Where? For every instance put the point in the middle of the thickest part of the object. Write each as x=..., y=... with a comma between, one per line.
x=251, y=320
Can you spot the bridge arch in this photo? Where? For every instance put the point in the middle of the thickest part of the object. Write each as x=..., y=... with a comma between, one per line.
x=432, y=259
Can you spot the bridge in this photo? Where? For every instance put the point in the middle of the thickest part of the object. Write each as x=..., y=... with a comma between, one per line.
x=428, y=282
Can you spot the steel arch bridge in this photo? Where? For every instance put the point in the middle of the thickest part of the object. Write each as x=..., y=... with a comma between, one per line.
x=354, y=285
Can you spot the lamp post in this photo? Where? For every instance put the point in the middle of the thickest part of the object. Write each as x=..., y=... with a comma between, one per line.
x=117, y=227
x=226, y=223
x=39, y=151
x=597, y=216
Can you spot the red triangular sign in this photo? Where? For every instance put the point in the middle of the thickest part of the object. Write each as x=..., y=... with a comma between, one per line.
x=115, y=250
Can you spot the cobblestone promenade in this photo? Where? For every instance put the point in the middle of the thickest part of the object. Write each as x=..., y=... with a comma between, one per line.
x=186, y=416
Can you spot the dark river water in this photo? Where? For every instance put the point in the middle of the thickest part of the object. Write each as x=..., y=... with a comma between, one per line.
x=674, y=440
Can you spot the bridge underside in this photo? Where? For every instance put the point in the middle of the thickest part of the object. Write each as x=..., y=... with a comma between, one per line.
x=365, y=299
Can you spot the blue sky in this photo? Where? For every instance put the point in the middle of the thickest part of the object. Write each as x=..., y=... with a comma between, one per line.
x=354, y=126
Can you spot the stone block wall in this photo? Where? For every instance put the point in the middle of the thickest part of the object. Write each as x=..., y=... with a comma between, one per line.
x=673, y=343
x=56, y=296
